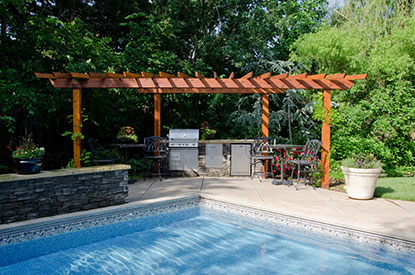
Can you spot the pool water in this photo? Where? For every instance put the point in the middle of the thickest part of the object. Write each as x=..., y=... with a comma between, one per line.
x=194, y=242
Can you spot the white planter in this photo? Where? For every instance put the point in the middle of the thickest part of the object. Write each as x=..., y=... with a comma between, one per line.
x=361, y=183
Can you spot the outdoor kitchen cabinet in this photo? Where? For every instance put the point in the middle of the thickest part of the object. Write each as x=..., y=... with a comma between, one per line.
x=240, y=159
x=214, y=155
x=183, y=159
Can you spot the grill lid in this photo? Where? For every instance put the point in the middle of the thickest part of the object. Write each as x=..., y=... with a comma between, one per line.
x=183, y=137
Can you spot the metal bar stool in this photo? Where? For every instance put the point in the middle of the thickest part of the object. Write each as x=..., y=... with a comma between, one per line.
x=156, y=150
x=261, y=153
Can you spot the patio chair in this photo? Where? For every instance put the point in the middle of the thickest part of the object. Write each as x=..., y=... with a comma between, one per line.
x=261, y=154
x=100, y=155
x=155, y=150
x=308, y=164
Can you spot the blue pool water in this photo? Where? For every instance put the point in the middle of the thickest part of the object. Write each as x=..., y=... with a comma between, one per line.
x=192, y=242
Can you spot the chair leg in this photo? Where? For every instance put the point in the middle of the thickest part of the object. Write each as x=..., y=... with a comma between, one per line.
x=311, y=180
x=159, y=168
x=260, y=171
x=292, y=175
x=298, y=176
x=165, y=168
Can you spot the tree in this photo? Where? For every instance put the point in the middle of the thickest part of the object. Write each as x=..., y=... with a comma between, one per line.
x=377, y=115
x=100, y=36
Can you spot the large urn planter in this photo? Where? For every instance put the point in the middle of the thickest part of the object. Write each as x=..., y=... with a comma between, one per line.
x=361, y=183
x=28, y=166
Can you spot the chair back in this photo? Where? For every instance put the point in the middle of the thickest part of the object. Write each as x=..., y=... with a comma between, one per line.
x=155, y=144
x=95, y=145
x=311, y=150
x=260, y=146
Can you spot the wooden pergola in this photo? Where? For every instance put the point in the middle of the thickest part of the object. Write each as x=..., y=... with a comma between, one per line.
x=181, y=83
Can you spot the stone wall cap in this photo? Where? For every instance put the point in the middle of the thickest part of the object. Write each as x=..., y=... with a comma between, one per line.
x=64, y=172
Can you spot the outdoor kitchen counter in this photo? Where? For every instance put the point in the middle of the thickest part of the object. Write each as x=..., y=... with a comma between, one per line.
x=226, y=141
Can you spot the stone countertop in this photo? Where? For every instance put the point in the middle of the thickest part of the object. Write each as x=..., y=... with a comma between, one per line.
x=64, y=172
x=227, y=141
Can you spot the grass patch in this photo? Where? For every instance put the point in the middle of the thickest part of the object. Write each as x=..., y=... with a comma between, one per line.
x=402, y=188
x=394, y=188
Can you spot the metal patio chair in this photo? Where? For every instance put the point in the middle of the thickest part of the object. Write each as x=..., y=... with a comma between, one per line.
x=261, y=154
x=308, y=164
x=155, y=150
x=101, y=155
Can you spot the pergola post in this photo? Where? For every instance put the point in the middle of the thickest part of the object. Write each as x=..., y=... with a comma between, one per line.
x=265, y=115
x=157, y=115
x=325, y=140
x=265, y=122
x=77, y=126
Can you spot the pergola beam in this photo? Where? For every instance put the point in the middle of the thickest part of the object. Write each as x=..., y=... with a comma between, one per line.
x=149, y=82
x=209, y=91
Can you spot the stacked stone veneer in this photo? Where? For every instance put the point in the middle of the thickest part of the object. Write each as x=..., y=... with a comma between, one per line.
x=25, y=197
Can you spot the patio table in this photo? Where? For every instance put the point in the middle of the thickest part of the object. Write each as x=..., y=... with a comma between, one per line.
x=284, y=147
x=127, y=146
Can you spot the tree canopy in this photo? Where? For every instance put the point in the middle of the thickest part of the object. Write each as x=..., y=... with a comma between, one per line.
x=106, y=36
x=378, y=115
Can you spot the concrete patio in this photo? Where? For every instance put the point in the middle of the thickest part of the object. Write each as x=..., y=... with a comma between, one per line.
x=380, y=216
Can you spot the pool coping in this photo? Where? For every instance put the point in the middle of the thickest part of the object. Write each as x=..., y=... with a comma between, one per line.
x=44, y=227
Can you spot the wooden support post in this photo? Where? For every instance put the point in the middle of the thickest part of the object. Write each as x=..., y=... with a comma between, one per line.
x=77, y=126
x=157, y=114
x=157, y=123
x=265, y=123
x=325, y=141
x=265, y=115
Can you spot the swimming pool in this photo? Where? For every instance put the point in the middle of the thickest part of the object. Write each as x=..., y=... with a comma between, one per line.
x=194, y=235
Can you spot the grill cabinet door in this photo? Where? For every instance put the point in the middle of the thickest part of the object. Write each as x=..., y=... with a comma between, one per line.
x=182, y=159
x=214, y=155
x=240, y=159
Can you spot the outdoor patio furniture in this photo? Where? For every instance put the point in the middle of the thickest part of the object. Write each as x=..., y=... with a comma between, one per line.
x=262, y=154
x=282, y=150
x=101, y=155
x=126, y=147
x=308, y=164
x=155, y=150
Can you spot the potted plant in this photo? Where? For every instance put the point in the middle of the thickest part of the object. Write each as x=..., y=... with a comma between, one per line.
x=206, y=132
x=28, y=157
x=361, y=173
x=127, y=134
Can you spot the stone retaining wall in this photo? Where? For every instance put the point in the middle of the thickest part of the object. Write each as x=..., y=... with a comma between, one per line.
x=25, y=197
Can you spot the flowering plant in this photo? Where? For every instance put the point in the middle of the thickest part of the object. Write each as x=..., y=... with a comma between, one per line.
x=128, y=133
x=206, y=132
x=362, y=161
x=295, y=153
x=28, y=150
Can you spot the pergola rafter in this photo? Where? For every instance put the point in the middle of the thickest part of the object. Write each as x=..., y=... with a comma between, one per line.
x=164, y=83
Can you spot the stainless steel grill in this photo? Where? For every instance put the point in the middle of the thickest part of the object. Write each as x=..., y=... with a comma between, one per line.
x=184, y=153
x=179, y=138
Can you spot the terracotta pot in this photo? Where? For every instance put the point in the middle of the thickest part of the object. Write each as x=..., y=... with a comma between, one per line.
x=361, y=183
